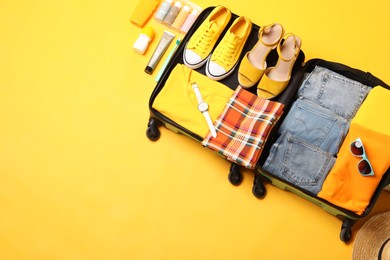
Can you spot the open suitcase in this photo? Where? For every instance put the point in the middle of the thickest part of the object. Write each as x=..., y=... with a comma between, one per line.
x=288, y=97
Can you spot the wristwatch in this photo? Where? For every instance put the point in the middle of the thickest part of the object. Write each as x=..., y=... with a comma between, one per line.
x=204, y=107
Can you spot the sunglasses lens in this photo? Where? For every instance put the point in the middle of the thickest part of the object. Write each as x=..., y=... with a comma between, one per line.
x=357, y=148
x=364, y=167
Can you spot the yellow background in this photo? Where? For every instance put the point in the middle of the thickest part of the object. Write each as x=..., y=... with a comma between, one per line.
x=80, y=180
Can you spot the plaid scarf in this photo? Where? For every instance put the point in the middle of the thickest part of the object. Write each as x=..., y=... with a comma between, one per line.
x=243, y=127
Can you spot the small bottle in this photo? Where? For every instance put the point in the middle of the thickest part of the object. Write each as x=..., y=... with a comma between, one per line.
x=172, y=14
x=189, y=21
x=143, y=11
x=163, y=10
x=145, y=37
x=181, y=17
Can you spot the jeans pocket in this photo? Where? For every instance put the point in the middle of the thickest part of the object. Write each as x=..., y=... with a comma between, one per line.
x=316, y=125
x=311, y=84
x=341, y=95
x=305, y=165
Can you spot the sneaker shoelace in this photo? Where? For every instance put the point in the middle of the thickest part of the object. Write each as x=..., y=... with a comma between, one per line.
x=205, y=37
x=229, y=45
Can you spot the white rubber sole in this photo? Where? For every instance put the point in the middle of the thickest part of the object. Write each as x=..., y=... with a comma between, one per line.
x=196, y=65
x=219, y=77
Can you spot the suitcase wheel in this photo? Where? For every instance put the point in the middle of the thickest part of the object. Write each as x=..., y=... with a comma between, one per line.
x=346, y=231
x=235, y=176
x=153, y=133
x=258, y=188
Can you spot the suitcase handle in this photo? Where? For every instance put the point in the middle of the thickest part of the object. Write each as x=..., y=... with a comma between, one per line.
x=371, y=78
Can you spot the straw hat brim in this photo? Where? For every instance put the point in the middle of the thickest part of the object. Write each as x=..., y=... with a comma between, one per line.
x=373, y=236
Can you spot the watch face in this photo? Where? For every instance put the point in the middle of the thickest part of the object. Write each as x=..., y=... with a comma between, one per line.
x=203, y=107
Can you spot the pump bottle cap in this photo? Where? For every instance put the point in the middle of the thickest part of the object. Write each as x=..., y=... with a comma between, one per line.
x=186, y=8
x=177, y=4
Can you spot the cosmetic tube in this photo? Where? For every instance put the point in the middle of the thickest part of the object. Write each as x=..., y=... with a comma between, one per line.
x=167, y=60
x=181, y=17
x=189, y=21
x=162, y=46
x=143, y=11
x=163, y=10
x=172, y=14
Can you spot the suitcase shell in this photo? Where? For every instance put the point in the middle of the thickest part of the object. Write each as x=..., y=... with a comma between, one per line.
x=287, y=98
x=348, y=217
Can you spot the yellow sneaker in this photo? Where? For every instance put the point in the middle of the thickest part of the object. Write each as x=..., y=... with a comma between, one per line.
x=202, y=42
x=226, y=55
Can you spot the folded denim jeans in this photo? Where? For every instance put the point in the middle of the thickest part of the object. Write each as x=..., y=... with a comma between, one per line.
x=334, y=91
x=316, y=125
x=299, y=162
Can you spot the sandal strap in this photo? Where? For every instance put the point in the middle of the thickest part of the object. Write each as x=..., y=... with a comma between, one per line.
x=265, y=29
x=297, y=48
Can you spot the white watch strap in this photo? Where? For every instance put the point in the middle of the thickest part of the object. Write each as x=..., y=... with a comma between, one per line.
x=205, y=113
x=197, y=92
x=210, y=123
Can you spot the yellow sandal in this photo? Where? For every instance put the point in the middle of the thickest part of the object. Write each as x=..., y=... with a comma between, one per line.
x=253, y=64
x=276, y=79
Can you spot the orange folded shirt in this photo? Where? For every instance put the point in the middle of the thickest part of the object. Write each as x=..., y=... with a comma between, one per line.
x=345, y=186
